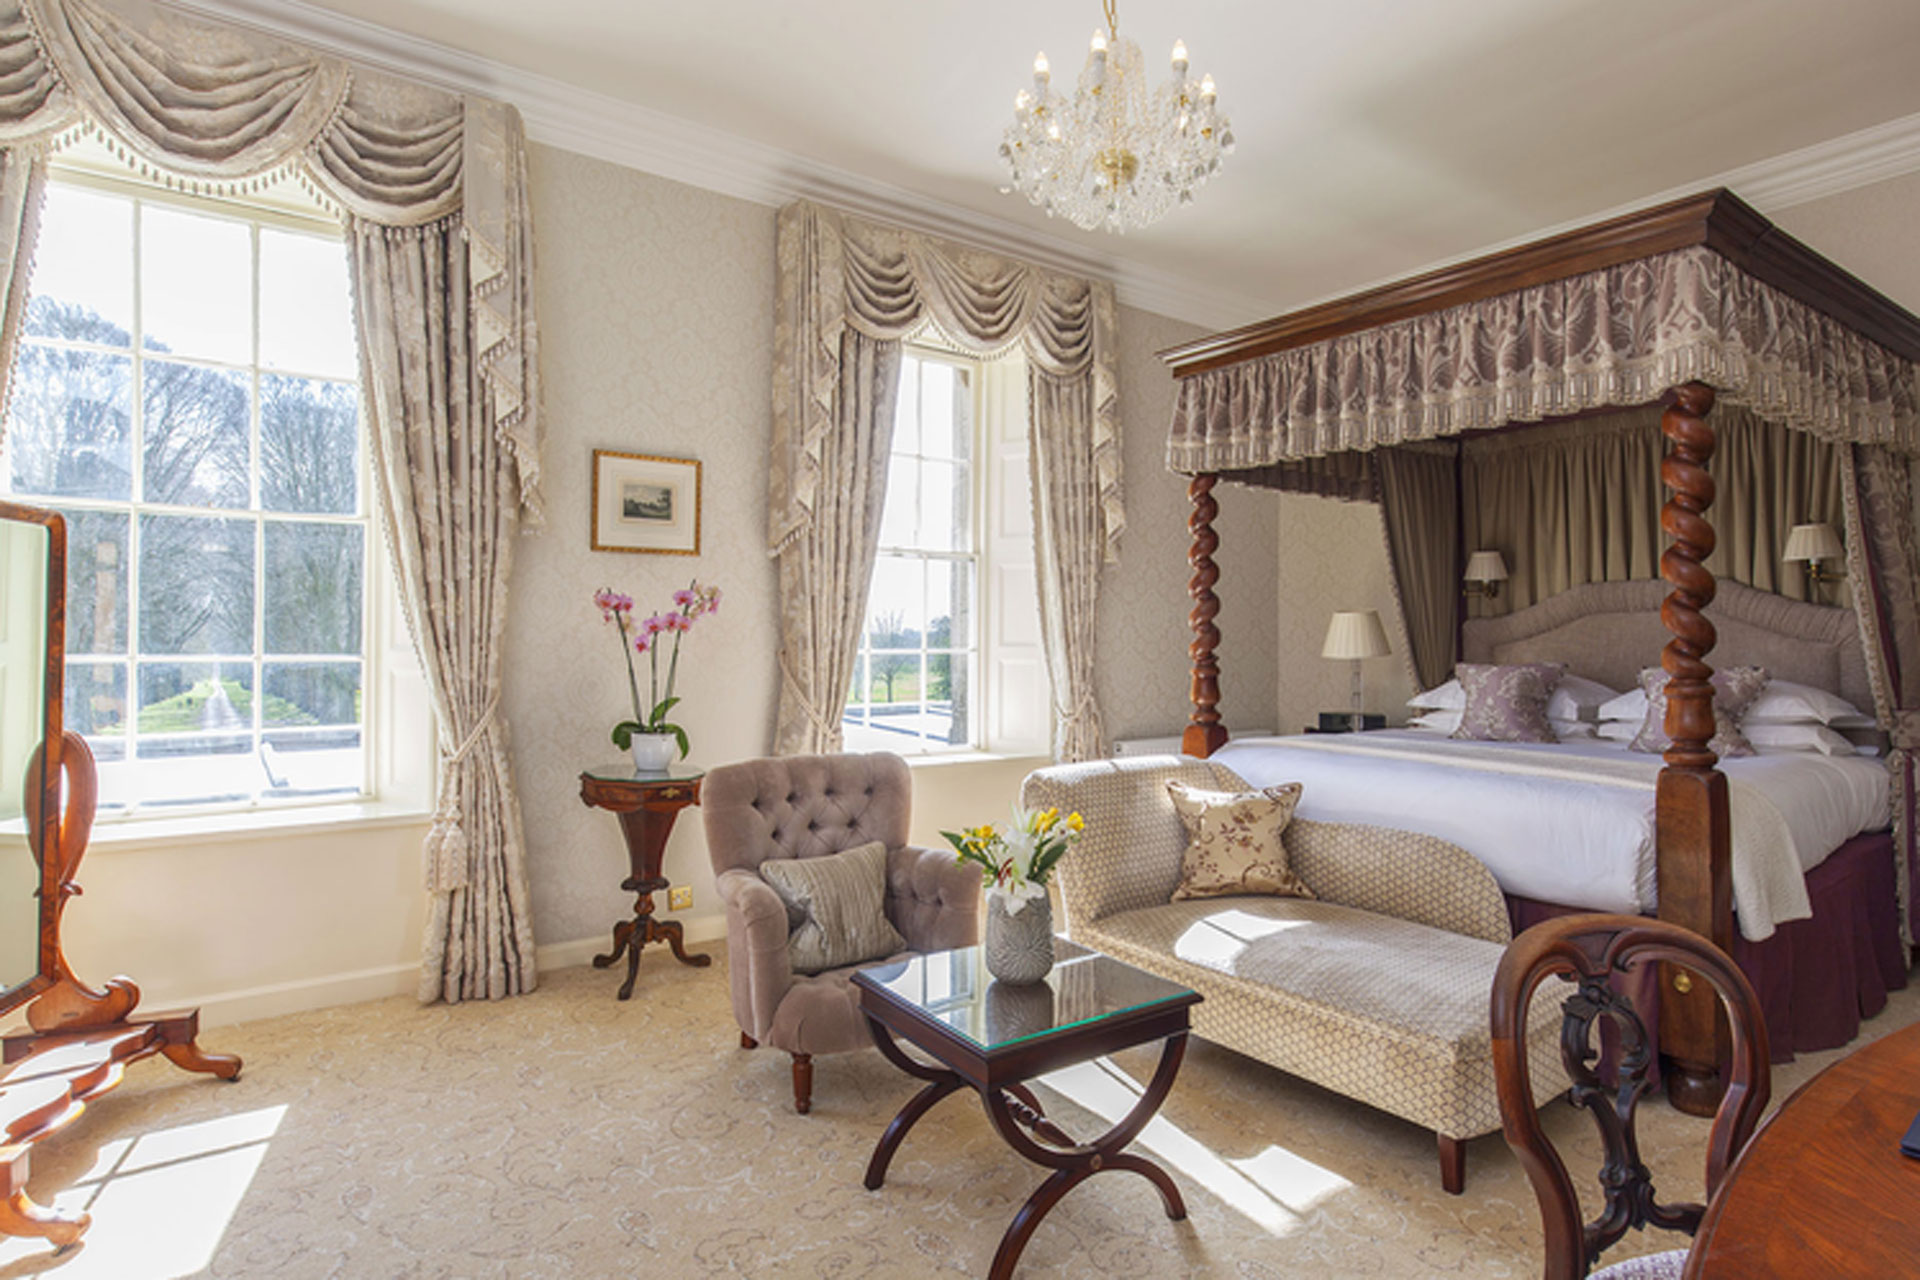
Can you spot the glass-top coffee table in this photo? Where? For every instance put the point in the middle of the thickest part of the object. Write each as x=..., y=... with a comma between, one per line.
x=993, y=1037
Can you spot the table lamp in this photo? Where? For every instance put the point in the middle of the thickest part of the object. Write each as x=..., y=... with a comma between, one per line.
x=1353, y=636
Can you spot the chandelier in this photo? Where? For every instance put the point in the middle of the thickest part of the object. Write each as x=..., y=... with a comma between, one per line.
x=1114, y=154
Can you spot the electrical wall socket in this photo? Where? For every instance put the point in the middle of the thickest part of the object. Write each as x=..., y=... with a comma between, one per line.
x=680, y=897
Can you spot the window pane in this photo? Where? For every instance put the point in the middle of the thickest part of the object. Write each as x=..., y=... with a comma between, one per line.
x=196, y=428
x=949, y=429
x=306, y=306
x=309, y=446
x=310, y=762
x=95, y=702
x=196, y=285
x=946, y=508
x=950, y=717
x=70, y=426
x=313, y=588
x=301, y=694
x=83, y=269
x=895, y=603
x=950, y=601
x=196, y=585
x=96, y=582
x=898, y=516
x=936, y=409
x=212, y=702
x=906, y=413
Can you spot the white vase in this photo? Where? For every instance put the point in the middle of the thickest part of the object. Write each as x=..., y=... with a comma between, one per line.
x=1019, y=944
x=654, y=752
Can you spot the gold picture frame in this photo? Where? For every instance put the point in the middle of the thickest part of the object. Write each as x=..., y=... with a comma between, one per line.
x=646, y=503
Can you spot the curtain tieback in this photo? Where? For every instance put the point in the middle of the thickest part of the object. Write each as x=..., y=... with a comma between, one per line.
x=445, y=852
x=821, y=725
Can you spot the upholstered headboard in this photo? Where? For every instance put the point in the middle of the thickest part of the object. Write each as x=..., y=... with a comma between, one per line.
x=1608, y=631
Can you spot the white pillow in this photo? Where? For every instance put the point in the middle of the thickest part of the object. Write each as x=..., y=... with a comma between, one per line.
x=1618, y=730
x=1797, y=737
x=1784, y=702
x=1442, y=721
x=1447, y=697
x=1631, y=705
x=1578, y=698
x=1567, y=730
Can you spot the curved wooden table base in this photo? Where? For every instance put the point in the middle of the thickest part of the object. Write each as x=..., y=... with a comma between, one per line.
x=1017, y=1116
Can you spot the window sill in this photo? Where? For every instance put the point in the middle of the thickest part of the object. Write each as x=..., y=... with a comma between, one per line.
x=253, y=824
x=976, y=757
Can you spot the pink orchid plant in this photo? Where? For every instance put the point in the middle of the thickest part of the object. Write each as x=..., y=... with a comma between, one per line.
x=649, y=637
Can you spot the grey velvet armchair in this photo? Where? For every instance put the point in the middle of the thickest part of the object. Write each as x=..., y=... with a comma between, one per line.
x=808, y=807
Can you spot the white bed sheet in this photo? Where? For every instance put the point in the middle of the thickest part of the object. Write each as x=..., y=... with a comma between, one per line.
x=1581, y=843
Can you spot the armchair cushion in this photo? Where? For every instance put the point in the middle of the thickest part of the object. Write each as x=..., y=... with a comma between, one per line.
x=841, y=899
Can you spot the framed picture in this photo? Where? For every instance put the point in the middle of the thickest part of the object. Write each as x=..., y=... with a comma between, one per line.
x=644, y=503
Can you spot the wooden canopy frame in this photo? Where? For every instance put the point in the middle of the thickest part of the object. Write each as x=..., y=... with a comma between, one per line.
x=1691, y=821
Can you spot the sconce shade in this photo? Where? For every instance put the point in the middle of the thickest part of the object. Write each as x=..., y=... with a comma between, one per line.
x=1814, y=542
x=1355, y=635
x=1486, y=566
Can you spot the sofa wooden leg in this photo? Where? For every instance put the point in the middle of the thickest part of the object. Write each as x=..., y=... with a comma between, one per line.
x=748, y=1042
x=1453, y=1164
x=803, y=1082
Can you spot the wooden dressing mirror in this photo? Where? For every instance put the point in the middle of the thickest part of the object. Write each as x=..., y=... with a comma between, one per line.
x=78, y=1041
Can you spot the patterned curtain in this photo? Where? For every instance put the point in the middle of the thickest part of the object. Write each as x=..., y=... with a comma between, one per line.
x=1419, y=498
x=839, y=273
x=433, y=187
x=1883, y=566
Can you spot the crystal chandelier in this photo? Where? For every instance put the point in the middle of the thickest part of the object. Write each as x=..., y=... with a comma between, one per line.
x=1114, y=154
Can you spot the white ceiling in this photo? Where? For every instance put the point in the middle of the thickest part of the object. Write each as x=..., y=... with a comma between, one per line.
x=1376, y=137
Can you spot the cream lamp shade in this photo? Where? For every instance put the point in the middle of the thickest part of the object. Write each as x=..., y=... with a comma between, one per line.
x=1814, y=542
x=1357, y=634
x=1486, y=566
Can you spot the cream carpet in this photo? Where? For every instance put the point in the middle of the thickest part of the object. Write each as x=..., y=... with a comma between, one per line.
x=565, y=1134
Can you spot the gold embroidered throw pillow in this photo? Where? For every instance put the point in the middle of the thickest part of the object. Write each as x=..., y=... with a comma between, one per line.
x=1233, y=842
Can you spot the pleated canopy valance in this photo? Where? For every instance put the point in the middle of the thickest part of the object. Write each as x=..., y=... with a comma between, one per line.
x=220, y=110
x=1401, y=365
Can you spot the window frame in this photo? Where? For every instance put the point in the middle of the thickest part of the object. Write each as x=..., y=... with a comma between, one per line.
x=390, y=778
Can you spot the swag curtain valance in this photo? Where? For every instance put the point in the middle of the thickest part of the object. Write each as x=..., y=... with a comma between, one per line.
x=432, y=188
x=850, y=292
x=1622, y=335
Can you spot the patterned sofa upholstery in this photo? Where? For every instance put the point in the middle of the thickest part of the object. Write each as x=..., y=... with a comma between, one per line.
x=1376, y=988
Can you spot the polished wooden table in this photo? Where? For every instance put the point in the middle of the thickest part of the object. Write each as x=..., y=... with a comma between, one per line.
x=992, y=1037
x=646, y=804
x=1822, y=1189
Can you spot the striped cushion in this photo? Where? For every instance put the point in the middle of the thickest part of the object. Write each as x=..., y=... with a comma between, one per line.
x=840, y=902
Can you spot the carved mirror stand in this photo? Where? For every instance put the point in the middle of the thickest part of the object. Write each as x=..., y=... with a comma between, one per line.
x=78, y=1040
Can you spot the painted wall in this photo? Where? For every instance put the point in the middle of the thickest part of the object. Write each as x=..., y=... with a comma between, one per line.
x=655, y=307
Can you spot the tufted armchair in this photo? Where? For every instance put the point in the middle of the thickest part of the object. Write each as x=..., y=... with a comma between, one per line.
x=807, y=807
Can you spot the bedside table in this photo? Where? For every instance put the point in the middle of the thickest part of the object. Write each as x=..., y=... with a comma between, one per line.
x=1341, y=722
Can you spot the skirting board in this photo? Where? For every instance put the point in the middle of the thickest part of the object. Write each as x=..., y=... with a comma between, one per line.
x=225, y=1008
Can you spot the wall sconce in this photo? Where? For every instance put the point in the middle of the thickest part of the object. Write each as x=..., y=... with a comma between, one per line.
x=1814, y=543
x=1354, y=636
x=1486, y=570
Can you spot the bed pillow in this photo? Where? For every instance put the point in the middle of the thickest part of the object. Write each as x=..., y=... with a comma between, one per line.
x=1734, y=690
x=841, y=902
x=1578, y=698
x=1447, y=697
x=1630, y=706
x=1797, y=737
x=1233, y=842
x=1784, y=702
x=1508, y=703
x=1617, y=730
x=1438, y=721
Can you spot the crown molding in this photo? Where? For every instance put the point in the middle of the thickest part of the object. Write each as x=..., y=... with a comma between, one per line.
x=606, y=128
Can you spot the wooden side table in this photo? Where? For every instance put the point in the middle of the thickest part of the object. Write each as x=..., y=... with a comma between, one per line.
x=646, y=804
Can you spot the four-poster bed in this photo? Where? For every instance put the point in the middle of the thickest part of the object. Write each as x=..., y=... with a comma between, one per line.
x=1406, y=395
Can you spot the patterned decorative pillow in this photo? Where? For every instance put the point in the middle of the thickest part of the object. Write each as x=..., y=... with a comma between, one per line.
x=841, y=903
x=1233, y=842
x=1734, y=690
x=1508, y=703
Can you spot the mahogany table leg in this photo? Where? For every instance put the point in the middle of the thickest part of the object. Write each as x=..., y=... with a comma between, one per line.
x=622, y=938
x=940, y=1083
x=20, y=1216
x=671, y=933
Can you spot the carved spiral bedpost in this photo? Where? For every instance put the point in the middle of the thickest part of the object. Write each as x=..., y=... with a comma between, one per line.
x=1690, y=824
x=1205, y=734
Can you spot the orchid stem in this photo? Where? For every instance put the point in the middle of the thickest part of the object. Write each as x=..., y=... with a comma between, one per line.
x=633, y=682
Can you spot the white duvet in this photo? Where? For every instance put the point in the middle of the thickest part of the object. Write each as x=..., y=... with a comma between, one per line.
x=1572, y=822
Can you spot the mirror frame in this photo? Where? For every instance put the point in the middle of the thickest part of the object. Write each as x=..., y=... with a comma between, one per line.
x=42, y=803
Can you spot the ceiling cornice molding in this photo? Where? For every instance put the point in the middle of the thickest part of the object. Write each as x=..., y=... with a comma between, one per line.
x=607, y=128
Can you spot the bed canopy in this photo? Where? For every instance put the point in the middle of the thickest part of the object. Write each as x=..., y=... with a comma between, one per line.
x=1510, y=401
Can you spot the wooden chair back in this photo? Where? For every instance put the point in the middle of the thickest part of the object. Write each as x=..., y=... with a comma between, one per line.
x=1588, y=950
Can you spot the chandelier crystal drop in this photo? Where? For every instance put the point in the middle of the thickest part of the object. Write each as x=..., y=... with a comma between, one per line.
x=1114, y=153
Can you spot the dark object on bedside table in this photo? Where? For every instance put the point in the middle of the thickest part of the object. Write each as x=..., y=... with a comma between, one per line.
x=1342, y=722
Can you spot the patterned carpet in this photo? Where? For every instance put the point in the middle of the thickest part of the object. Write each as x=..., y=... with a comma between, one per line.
x=565, y=1134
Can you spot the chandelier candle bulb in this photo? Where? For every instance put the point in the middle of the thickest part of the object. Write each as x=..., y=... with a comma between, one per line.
x=1180, y=59
x=1041, y=73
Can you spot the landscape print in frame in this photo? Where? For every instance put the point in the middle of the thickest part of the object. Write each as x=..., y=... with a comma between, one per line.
x=642, y=502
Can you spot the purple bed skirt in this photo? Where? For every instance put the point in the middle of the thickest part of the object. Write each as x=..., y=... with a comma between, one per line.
x=1816, y=978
